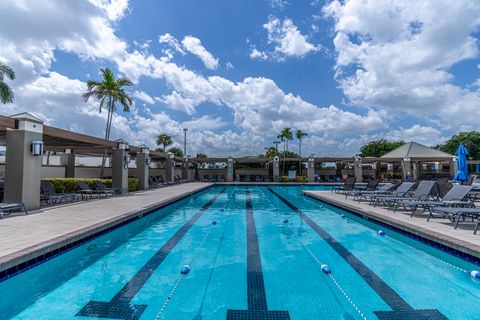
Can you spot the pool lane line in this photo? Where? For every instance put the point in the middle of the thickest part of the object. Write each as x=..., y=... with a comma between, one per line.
x=256, y=296
x=119, y=307
x=400, y=308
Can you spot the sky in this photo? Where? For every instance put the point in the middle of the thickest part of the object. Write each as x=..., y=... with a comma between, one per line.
x=236, y=72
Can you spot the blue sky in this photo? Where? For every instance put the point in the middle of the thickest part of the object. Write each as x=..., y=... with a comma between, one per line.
x=236, y=72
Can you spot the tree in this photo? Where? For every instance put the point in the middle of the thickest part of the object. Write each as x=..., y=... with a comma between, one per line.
x=285, y=136
x=165, y=140
x=201, y=156
x=379, y=147
x=6, y=93
x=271, y=152
x=176, y=151
x=471, y=141
x=110, y=91
x=300, y=134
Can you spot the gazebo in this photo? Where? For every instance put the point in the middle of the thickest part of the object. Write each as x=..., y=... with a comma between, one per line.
x=412, y=154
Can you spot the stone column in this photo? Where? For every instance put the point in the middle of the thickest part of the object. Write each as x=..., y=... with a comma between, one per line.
x=276, y=169
x=143, y=167
x=67, y=159
x=406, y=168
x=453, y=167
x=415, y=170
x=120, y=161
x=230, y=169
x=170, y=167
x=185, y=169
x=311, y=169
x=23, y=161
x=357, y=169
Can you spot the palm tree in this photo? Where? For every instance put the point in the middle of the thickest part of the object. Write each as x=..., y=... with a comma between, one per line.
x=165, y=140
x=6, y=93
x=176, y=151
x=300, y=134
x=285, y=136
x=109, y=91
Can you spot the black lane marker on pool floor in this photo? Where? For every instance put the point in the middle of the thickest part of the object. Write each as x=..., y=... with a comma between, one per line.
x=401, y=310
x=119, y=307
x=257, y=299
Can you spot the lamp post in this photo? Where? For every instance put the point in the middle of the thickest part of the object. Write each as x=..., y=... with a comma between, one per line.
x=185, y=142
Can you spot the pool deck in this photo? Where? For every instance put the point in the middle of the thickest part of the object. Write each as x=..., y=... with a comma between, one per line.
x=25, y=237
x=437, y=230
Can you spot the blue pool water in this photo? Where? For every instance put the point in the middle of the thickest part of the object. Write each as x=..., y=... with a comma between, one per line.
x=261, y=260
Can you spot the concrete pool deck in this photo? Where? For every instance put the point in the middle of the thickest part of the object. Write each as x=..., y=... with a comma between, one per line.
x=437, y=230
x=26, y=237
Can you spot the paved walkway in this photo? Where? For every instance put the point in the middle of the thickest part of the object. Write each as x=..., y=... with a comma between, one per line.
x=438, y=230
x=23, y=237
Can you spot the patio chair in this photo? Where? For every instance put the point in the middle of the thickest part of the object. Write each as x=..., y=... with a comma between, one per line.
x=423, y=191
x=8, y=208
x=51, y=196
x=222, y=178
x=401, y=191
x=162, y=180
x=385, y=189
x=371, y=186
x=85, y=190
x=152, y=183
x=458, y=213
x=348, y=185
x=100, y=186
x=455, y=197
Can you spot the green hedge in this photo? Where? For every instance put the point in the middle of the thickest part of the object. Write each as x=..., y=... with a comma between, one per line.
x=69, y=185
x=297, y=179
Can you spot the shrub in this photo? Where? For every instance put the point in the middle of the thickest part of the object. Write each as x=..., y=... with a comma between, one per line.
x=284, y=179
x=301, y=179
x=69, y=185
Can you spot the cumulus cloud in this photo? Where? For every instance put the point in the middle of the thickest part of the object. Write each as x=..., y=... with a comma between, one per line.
x=145, y=97
x=405, y=68
x=278, y=4
x=287, y=39
x=195, y=47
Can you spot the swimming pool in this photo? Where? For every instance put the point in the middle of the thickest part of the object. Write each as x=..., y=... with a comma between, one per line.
x=254, y=252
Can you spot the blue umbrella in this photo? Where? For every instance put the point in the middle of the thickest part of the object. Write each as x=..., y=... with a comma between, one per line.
x=477, y=167
x=462, y=174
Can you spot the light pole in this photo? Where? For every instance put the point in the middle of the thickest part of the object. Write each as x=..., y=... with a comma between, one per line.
x=185, y=142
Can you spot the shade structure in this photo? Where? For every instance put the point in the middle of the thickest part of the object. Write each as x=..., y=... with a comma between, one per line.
x=462, y=174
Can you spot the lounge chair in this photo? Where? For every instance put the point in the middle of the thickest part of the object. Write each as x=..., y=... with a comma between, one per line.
x=222, y=178
x=401, y=191
x=455, y=197
x=371, y=186
x=51, y=196
x=162, y=180
x=385, y=189
x=459, y=213
x=423, y=191
x=85, y=190
x=348, y=185
x=8, y=208
x=152, y=183
x=100, y=186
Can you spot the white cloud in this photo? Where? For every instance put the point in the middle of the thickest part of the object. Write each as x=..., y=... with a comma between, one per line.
x=194, y=46
x=142, y=95
x=257, y=54
x=288, y=40
x=405, y=68
x=172, y=42
x=278, y=4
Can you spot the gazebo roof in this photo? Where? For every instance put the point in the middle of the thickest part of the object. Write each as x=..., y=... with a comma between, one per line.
x=416, y=150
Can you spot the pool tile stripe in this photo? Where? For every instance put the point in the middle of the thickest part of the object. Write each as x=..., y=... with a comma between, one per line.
x=256, y=296
x=120, y=307
x=401, y=309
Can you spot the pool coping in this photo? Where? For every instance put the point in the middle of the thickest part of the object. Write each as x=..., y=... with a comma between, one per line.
x=462, y=249
x=22, y=260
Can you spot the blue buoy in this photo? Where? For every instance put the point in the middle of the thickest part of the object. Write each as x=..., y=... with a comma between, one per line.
x=285, y=220
x=325, y=269
x=214, y=222
x=185, y=269
x=381, y=233
x=222, y=209
x=475, y=274
x=342, y=215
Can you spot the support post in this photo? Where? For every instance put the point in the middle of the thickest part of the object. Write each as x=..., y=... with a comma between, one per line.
x=230, y=169
x=170, y=167
x=143, y=167
x=186, y=169
x=276, y=169
x=357, y=169
x=453, y=167
x=311, y=169
x=23, y=161
x=415, y=170
x=67, y=159
x=120, y=161
x=406, y=168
